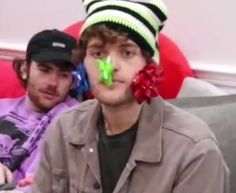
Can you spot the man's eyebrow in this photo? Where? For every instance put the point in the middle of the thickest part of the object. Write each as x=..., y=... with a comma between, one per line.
x=44, y=65
x=128, y=44
x=61, y=68
x=95, y=45
x=67, y=70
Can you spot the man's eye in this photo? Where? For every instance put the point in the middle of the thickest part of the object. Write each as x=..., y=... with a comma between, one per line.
x=97, y=54
x=66, y=75
x=45, y=70
x=128, y=53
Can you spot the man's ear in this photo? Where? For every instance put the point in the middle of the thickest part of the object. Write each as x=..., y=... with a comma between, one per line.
x=24, y=71
x=72, y=84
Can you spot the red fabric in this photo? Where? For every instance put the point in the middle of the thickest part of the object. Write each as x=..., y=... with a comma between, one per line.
x=73, y=29
x=10, y=85
x=175, y=68
x=174, y=64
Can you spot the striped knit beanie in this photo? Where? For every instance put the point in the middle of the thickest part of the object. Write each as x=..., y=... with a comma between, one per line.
x=140, y=20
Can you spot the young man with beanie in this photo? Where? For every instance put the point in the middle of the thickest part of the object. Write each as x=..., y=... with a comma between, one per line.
x=127, y=140
x=47, y=76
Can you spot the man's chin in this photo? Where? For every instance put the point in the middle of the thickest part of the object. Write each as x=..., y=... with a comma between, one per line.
x=113, y=97
x=110, y=103
x=113, y=101
x=47, y=106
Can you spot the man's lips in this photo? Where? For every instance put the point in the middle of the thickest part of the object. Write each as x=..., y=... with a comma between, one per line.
x=117, y=80
x=49, y=94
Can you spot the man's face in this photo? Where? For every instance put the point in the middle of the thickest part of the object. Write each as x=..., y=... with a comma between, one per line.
x=47, y=85
x=127, y=60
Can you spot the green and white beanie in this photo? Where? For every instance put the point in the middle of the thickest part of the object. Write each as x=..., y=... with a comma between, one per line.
x=142, y=21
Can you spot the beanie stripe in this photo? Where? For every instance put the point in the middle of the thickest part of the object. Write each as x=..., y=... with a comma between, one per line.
x=128, y=11
x=121, y=18
x=160, y=13
x=141, y=20
x=89, y=3
x=138, y=8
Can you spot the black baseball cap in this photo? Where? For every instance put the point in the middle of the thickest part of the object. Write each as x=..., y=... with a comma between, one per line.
x=51, y=45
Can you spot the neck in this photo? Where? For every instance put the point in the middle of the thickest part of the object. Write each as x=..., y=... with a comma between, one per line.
x=119, y=119
x=32, y=107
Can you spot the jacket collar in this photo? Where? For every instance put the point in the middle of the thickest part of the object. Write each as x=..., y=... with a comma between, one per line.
x=148, y=145
x=84, y=130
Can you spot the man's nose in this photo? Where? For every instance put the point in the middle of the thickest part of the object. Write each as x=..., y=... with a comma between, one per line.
x=53, y=79
x=115, y=61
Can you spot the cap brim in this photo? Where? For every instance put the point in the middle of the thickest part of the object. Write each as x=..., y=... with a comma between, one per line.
x=51, y=56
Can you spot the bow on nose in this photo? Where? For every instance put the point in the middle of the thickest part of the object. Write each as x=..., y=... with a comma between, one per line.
x=106, y=70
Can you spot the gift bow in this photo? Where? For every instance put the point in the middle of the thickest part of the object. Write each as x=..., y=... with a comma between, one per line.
x=106, y=71
x=145, y=84
x=81, y=83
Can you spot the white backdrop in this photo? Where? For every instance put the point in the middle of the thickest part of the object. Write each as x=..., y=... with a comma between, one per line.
x=205, y=30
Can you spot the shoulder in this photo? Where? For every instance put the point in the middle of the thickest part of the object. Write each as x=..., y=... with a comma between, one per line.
x=82, y=108
x=78, y=114
x=185, y=125
x=75, y=116
x=8, y=104
x=70, y=102
x=9, y=101
x=184, y=132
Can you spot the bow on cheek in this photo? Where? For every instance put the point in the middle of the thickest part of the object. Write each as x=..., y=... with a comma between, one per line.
x=106, y=70
x=145, y=84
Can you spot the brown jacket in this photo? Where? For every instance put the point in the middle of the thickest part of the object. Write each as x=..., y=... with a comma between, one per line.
x=174, y=152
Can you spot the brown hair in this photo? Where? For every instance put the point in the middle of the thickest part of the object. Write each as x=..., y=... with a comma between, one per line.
x=17, y=64
x=106, y=35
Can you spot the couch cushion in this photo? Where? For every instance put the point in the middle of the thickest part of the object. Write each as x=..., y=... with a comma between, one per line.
x=219, y=112
x=194, y=87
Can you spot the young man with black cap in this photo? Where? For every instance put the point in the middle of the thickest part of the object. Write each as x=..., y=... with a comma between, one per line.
x=47, y=76
x=127, y=140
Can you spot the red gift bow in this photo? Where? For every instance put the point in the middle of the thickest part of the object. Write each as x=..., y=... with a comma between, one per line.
x=145, y=84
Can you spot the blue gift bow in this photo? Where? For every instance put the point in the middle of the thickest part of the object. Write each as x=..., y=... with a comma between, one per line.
x=81, y=83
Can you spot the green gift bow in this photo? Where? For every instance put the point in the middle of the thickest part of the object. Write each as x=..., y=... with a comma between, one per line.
x=106, y=71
